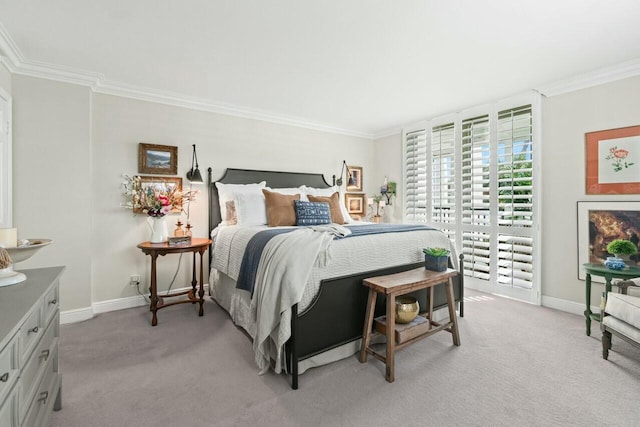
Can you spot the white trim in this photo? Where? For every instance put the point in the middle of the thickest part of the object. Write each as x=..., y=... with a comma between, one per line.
x=566, y=305
x=593, y=78
x=17, y=64
x=73, y=316
x=78, y=315
x=118, y=304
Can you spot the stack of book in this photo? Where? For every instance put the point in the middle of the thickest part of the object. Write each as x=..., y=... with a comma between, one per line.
x=182, y=240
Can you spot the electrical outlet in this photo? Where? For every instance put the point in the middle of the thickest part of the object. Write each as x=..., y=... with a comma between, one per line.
x=135, y=280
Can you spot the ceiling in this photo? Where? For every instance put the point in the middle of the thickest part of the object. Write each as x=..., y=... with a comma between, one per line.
x=359, y=66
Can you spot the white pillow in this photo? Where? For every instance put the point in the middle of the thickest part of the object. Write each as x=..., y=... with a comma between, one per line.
x=227, y=192
x=290, y=191
x=250, y=209
x=328, y=192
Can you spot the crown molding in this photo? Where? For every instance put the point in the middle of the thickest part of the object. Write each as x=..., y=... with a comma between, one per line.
x=593, y=78
x=14, y=61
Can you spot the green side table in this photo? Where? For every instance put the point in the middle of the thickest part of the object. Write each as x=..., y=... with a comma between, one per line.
x=600, y=270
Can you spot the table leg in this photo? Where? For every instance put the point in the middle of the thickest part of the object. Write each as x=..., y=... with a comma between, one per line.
x=193, y=277
x=451, y=303
x=368, y=324
x=201, y=293
x=153, y=290
x=391, y=339
x=587, y=312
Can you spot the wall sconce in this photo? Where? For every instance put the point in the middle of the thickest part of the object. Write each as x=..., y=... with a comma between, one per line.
x=339, y=181
x=194, y=174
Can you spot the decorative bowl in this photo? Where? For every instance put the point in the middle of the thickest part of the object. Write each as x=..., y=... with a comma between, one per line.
x=614, y=263
x=26, y=250
x=407, y=309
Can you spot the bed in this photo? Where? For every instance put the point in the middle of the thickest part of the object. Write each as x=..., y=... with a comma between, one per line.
x=326, y=325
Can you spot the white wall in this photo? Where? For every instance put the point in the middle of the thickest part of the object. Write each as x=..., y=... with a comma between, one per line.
x=71, y=148
x=5, y=79
x=222, y=142
x=52, y=179
x=388, y=162
x=566, y=118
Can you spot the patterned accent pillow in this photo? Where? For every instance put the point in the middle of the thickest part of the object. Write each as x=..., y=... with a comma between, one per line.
x=312, y=213
x=232, y=217
x=334, y=204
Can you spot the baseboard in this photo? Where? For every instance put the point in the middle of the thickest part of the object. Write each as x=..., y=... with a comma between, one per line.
x=566, y=305
x=81, y=314
x=73, y=316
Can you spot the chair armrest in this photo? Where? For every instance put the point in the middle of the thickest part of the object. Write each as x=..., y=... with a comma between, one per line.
x=624, y=284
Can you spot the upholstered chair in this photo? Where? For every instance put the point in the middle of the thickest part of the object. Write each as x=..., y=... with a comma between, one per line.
x=620, y=316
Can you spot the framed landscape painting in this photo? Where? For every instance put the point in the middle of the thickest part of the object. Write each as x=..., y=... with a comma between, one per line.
x=157, y=159
x=601, y=222
x=613, y=161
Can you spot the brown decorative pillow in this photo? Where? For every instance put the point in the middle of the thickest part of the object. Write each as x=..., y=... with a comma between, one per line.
x=334, y=206
x=280, y=210
x=232, y=217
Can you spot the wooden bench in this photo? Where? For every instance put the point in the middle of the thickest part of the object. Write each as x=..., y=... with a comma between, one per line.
x=392, y=286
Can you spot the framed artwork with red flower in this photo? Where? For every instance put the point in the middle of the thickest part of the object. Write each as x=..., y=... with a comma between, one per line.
x=613, y=161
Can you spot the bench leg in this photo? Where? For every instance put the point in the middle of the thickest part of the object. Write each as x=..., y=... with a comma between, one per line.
x=368, y=324
x=452, y=313
x=391, y=339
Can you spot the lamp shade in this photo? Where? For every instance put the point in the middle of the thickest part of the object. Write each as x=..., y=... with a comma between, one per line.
x=194, y=175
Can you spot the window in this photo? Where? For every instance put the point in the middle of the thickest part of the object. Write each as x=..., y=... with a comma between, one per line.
x=473, y=178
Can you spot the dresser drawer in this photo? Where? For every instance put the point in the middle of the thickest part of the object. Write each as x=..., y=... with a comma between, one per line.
x=32, y=372
x=44, y=397
x=9, y=410
x=51, y=303
x=8, y=367
x=30, y=331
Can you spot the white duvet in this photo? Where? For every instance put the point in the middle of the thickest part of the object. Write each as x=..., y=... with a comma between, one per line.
x=340, y=257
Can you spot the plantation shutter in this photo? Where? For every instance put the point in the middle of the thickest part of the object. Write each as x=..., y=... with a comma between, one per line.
x=515, y=197
x=443, y=179
x=472, y=175
x=476, y=197
x=415, y=200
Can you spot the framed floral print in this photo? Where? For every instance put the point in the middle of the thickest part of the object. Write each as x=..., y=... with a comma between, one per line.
x=613, y=161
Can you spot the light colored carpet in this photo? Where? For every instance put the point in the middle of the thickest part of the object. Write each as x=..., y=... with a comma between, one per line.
x=518, y=365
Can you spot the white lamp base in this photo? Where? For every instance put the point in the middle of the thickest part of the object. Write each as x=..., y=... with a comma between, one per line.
x=10, y=277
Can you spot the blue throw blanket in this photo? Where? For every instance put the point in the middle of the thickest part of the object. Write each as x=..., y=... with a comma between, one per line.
x=363, y=230
x=256, y=245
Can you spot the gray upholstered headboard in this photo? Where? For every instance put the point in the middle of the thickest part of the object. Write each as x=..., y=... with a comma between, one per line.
x=274, y=179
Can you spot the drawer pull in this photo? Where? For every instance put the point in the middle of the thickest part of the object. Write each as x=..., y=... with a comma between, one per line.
x=5, y=377
x=43, y=397
x=45, y=354
x=53, y=301
x=34, y=330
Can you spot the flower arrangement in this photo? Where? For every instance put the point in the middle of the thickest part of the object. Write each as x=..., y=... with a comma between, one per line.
x=154, y=200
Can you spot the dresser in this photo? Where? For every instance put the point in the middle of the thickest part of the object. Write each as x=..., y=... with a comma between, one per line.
x=30, y=384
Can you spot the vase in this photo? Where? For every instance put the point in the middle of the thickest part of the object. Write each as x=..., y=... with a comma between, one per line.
x=614, y=263
x=436, y=263
x=158, y=226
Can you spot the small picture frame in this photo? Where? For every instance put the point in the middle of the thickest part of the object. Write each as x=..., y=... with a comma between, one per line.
x=613, y=161
x=163, y=184
x=157, y=159
x=355, y=203
x=356, y=175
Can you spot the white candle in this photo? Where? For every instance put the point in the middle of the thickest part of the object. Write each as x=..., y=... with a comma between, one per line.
x=9, y=237
x=382, y=203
